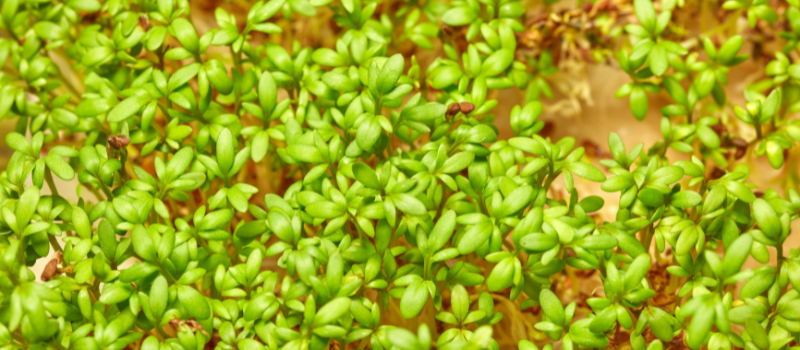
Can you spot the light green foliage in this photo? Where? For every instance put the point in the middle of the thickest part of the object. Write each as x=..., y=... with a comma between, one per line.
x=244, y=194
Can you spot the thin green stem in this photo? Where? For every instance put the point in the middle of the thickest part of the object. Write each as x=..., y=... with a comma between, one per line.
x=48, y=177
x=54, y=243
x=105, y=189
x=161, y=332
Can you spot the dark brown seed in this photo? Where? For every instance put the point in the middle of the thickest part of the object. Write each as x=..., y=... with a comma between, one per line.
x=448, y=30
x=740, y=145
x=50, y=270
x=547, y=130
x=719, y=128
x=739, y=142
x=118, y=142
x=453, y=110
x=717, y=173
x=123, y=141
x=466, y=107
x=740, y=153
x=144, y=23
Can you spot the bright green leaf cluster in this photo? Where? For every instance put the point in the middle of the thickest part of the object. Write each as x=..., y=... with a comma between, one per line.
x=241, y=190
